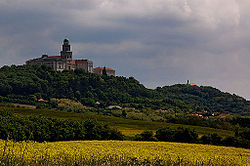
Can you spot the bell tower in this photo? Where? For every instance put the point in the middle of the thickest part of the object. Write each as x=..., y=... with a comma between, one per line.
x=66, y=54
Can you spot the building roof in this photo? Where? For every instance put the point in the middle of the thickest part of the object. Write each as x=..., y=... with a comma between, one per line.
x=192, y=84
x=54, y=56
x=81, y=60
x=101, y=68
x=30, y=60
x=224, y=115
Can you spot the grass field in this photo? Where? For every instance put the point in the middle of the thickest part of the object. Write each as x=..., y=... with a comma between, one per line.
x=126, y=126
x=119, y=153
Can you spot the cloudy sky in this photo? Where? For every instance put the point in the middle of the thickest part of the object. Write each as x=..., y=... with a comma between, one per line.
x=159, y=42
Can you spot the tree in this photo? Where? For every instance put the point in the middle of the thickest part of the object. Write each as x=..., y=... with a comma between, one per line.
x=206, y=139
x=104, y=71
x=165, y=134
x=245, y=134
x=124, y=114
x=145, y=136
x=215, y=139
x=185, y=135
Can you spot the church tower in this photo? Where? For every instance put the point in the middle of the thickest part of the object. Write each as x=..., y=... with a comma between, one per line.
x=66, y=54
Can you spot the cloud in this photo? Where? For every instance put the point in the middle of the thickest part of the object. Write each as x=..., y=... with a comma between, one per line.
x=159, y=42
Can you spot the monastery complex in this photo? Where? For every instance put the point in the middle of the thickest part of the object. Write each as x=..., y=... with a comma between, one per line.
x=65, y=62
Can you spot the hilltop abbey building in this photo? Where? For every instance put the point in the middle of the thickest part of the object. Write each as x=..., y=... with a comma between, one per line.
x=65, y=62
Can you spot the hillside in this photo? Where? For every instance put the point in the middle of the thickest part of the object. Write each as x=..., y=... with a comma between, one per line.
x=206, y=98
x=26, y=84
x=126, y=126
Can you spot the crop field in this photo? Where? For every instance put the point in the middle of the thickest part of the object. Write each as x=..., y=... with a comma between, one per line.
x=127, y=126
x=119, y=153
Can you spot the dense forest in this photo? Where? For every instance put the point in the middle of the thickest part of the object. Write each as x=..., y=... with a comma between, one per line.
x=26, y=84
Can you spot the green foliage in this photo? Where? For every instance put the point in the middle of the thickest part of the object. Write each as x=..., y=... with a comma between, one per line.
x=165, y=134
x=245, y=134
x=137, y=116
x=215, y=139
x=25, y=84
x=104, y=71
x=114, y=122
x=177, y=135
x=145, y=136
x=68, y=105
x=190, y=136
x=204, y=98
x=41, y=129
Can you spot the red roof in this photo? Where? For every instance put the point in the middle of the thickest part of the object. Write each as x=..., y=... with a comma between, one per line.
x=30, y=60
x=41, y=100
x=103, y=68
x=54, y=56
x=224, y=115
x=192, y=84
x=81, y=60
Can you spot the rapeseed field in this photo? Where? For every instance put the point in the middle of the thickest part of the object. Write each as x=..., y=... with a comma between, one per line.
x=119, y=153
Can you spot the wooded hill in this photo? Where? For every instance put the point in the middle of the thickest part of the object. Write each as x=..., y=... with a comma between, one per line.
x=26, y=84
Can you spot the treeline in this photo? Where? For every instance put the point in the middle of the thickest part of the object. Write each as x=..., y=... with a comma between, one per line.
x=27, y=84
x=41, y=129
x=241, y=139
x=46, y=129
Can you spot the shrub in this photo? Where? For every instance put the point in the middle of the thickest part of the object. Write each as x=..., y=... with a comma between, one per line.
x=145, y=136
x=185, y=135
x=245, y=134
x=179, y=135
x=206, y=139
x=215, y=139
x=165, y=134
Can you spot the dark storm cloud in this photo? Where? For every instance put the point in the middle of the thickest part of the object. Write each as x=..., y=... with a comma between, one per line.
x=159, y=42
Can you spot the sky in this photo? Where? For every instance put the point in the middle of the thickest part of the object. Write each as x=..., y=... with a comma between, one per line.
x=158, y=42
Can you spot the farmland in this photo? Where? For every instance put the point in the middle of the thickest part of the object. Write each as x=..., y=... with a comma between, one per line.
x=119, y=152
x=126, y=126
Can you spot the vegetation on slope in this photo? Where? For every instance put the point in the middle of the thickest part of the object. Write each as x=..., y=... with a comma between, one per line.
x=206, y=98
x=27, y=84
x=40, y=128
x=127, y=126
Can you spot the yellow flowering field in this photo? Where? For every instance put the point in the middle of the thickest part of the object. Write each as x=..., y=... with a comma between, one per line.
x=119, y=153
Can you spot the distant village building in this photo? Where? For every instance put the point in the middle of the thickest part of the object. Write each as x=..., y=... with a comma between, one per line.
x=64, y=61
x=114, y=107
x=102, y=70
